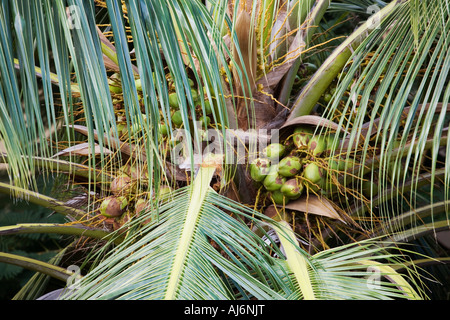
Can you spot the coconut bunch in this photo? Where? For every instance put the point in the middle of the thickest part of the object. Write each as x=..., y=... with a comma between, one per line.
x=301, y=163
x=127, y=199
x=204, y=115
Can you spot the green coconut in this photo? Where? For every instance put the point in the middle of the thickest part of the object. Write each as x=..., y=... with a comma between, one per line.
x=177, y=119
x=121, y=184
x=113, y=206
x=164, y=129
x=273, y=181
x=310, y=67
x=289, y=166
x=274, y=151
x=278, y=197
x=173, y=100
x=327, y=97
x=330, y=142
x=140, y=205
x=335, y=164
x=317, y=145
x=292, y=189
x=138, y=84
x=348, y=164
x=121, y=129
x=114, y=83
x=301, y=136
x=259, y=168
x=208, y=108
x=134, y=172
x=165, y=192
x=194, y=94
x=369, y=188
x=313, y=173
x=205, y=120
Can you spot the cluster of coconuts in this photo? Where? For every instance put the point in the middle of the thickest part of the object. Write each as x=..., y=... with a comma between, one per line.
x=304, y=73
x=326, y=97
x=286, y=170
x=126, y=200
x=200, y=114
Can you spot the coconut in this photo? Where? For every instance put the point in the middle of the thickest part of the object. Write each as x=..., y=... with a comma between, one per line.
x=348, y=164
x=173, y=100
x=114, y=86
x=121, y=184
x=177, y=119
x=165, y=192
x=134, y=172
x=208, y=108
x=274, y=151
x=113, y=206
x=120, y=222
x=292, y=189
x=310, y=67
x=301, y=136
x=194, y=94
x=335, y=164
x=259, y=168
x=164, y=129
x=330, y=142
x=327, y=97
x=289, y=166
x=205, y=120
x=140, y=207
x=313, y=173
x=138, y=84
x=121, y=129
x=369, y=188
x=332, y=90
x=273, y=181
x=317, y=145
x=278, y=197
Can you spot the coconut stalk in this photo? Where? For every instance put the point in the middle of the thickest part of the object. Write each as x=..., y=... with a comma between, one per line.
x=329, y=70
x=53, y=77
x=75, y=169
x=73, y=230
x=36, y=265
x=42, y=200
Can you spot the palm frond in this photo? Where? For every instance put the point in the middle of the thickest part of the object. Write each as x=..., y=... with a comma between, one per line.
x=396, y=84
x=175, y=258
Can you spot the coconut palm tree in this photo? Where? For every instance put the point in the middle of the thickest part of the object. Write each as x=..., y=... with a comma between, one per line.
x=160, y=115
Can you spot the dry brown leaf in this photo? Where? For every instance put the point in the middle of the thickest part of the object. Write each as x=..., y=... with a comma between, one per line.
x=245, y=34
x=312, y=120
x=312, y=204
x=82, y=149
x=126, y=148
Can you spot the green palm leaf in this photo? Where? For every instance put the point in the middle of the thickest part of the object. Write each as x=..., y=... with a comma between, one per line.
x=174, y=259
x=394, y=85
x=357, y=271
